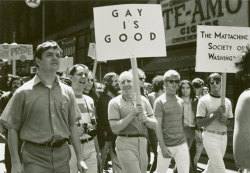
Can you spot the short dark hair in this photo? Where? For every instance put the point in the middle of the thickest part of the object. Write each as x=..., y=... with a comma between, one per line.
x=107, y=79
x=72, y=70
x=45, y=46
x=157, y=83
x=214, y=76
x=197, y=82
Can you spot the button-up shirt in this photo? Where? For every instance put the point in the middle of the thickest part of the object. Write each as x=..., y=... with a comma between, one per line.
x=42, y=113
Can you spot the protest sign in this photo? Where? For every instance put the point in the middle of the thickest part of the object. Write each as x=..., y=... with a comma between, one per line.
x=129, y=31
x=219, y=47
x=65, y=64
x=92, y=51
x=125, y=31
x=16, y=52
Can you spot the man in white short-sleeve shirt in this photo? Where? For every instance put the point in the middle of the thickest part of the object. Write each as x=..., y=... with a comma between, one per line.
x=214, y=119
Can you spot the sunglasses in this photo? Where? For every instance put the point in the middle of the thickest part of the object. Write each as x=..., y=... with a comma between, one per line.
x=142, y=78
x=173, y=81
x=197, y=85
x=91, y=80
x=214, y=82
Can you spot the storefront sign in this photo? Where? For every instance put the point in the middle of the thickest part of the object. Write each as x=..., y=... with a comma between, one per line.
x=219, y=47
x=126, y=31
x=68, y=45
x=182, y=16
x=16, y=52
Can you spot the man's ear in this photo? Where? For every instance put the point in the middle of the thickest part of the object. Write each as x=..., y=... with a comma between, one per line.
x=37, y=60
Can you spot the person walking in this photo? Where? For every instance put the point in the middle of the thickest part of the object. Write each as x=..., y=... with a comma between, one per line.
x=108, y=138
x=43, y=112
x=241, y=137
x=187, y=92
x=130, y=121
x=214, y=119
x=86, y=124
x=168, y=110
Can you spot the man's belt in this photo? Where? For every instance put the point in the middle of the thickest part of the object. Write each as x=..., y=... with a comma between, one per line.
x=50, y=143
x=86, y=140
x=131, y=135
x=215, y=132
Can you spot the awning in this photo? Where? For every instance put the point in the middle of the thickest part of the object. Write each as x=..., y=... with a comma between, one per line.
x=176, y=59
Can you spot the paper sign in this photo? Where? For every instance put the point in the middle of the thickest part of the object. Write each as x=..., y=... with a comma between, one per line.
x=92, y=51
x=16, y=52
x=65, y=64
x=125, y=31
x=219, y=47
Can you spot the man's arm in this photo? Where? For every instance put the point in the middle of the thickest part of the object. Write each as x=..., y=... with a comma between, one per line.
x=13, y=147
x=158, y=130
x=205, y=121
x=116, y=123
x=158, y=112
x=75, y=140
x=119, y=125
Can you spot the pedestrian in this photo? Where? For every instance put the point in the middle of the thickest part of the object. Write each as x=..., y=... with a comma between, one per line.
x=86, y=124
x=14, y=83
x=197, y=146
x=130, y=121
x=158, y=88
x=241, y=137
x=214, y=119
x=43, y=112
x=106, y=135
x=168, y=110
x=205, y=90
x=186, y=91
x=90, y=88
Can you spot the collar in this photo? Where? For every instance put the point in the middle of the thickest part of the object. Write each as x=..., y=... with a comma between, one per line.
x=37, y=80
x=214, y=95
x=126, y=99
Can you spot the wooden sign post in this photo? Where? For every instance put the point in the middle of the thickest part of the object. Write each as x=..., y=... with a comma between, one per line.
x=136, y=81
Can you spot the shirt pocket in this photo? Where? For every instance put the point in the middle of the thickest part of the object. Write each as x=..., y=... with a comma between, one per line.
x=63, y=108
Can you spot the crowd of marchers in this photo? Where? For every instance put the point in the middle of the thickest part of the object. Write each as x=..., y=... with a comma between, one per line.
x=54, y=124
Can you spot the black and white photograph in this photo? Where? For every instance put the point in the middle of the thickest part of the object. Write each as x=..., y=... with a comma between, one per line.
x=124, y=86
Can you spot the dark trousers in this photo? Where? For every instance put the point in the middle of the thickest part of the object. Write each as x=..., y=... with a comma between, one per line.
x=41, y=159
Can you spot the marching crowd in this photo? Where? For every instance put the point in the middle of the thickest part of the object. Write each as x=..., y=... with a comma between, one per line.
x=66, y=125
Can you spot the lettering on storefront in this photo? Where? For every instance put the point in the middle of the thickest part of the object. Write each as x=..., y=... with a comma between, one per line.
x=181, y=17
x=68, y=45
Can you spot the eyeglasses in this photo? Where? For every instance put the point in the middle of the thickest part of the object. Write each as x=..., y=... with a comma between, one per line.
x=142, y=78
x=197, y=85
x=214, y=82
x=91, y=80
x=173, y=81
